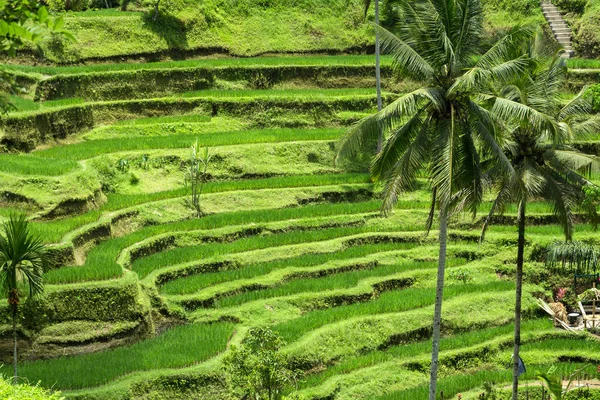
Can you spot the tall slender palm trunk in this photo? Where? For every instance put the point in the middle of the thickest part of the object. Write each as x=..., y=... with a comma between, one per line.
x=519, y=289
x=14, y=321
x=439, y=293
x=378, y=73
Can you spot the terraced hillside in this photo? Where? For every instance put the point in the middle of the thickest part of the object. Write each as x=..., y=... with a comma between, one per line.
x=144, y=298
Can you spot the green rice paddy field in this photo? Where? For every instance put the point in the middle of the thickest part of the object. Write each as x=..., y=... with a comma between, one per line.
x=288, y=239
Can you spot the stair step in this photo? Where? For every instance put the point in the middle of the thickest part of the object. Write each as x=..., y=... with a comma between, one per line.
x=560, y=29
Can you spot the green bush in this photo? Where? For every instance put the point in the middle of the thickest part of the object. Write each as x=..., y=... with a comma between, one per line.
x=571, y=6
x=586, y=40
x=107, y=173
x=68, y=5
x=26, y=392
x=517, y=6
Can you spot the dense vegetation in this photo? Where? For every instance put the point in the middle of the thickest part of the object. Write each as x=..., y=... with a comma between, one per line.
x=143, y=299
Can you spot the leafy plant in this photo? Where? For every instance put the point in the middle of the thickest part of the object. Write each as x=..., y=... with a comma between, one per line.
x=257, y=370
x=572, y=6
x=462, y=275
x=22, y=260
x=572, y=256
x=196, y=175
x=591, y=294
x=490, y=392
x=123, y=164
x=145, y=159
x=554, y=382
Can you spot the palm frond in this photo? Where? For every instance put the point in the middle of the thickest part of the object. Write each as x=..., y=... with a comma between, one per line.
x=403, y=174
x=510, y=110
x=470, y=31
x=405, y=58
x=396, y=146
x=502, y=198
x=506, y=48
x=355, y=140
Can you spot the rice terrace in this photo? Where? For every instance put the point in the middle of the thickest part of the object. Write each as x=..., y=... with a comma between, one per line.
x=300, y=199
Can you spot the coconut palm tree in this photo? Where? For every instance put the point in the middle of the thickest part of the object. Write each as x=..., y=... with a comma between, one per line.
x=22, y=259
x=442, y=127
x=539, y=128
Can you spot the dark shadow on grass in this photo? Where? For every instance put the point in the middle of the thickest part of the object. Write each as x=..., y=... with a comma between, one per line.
x=169, y=28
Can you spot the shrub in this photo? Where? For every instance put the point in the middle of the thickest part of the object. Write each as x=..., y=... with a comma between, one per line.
x=26, y=392
x=107, y=173
x=571, y=6
x=586, y=40
x=517, y=6
x=257, y=369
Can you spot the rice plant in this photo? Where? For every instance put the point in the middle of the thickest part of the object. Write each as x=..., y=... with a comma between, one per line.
x=23, y=164
x=93, y=148
x=195, y=283
x=177, y=347
x=340, y=280
x=394, y=301
x=103, y=257
x=317, y=60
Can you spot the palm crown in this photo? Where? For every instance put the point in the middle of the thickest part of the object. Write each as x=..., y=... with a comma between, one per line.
x=443, y=126
x=22, y=258
x=539, y=127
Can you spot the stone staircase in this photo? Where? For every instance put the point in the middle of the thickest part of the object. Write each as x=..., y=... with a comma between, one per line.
x=559, y=27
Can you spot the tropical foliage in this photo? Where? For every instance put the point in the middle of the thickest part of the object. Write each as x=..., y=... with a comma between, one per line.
x=539, y=128
x=22, y=259
x=442, y=127
x=257, y=369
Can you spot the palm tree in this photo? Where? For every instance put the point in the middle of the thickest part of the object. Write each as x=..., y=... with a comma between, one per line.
x=539, y=128
x=22, y=259
x=441, y=127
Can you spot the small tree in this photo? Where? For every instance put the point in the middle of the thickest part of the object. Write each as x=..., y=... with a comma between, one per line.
x=257, y=370
x=196, y=175
x=22, y=259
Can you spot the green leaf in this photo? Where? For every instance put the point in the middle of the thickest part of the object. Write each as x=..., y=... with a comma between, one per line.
x=58, y=23
x=42, y=14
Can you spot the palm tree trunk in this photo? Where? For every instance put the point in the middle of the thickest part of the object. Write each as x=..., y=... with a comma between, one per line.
x=378, y=73
x=519, y=289
x=439, y=292
x=14, y=321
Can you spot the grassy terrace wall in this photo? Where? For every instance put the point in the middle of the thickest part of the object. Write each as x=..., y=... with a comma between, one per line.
x=157, y=82
x=25, y=132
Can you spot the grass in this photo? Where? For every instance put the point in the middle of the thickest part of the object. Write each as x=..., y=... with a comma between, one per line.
x=23, y=104
x=345, y=60
x=181, y=255
x=23, y=164
x=54, y=231
x=307, y=94
x=194, y=283
x=101, y=261
x=85, y=150
x=177, y=347
x=421, y=348
x=583, y=63
x=340, y=280
x=459, y=383
x=394, y=301
x=169, y=119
